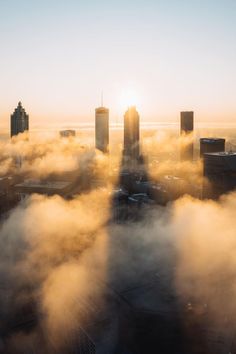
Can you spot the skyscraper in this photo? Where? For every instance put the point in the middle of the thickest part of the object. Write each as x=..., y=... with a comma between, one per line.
x=131, y=134
x=211, y=145
x=19, y=120
x=102, y=129
x=186, y=130
x=219, y=173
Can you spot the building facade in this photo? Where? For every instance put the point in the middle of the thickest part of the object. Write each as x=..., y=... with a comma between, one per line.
x=19, y=120
x=219, y=173
x=186, y=131
x=131, y=134
x=211, y=145
x=102, y=129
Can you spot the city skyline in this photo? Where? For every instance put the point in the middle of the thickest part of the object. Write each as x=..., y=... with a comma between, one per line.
x=117, y=176
x=173, y=56
x=41, y=125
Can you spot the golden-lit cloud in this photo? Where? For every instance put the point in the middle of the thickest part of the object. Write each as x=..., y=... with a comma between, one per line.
x=61, y=253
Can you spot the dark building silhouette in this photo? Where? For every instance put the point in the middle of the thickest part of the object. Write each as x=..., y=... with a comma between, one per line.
x=102, y=129
x=186, y=129
x=219, y=173
x=67, y=133
x=211, y=145
x=28, y=187
x=19, y=120
x=131, y=134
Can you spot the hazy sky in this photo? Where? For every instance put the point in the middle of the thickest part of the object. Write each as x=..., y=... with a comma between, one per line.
x=57, y=55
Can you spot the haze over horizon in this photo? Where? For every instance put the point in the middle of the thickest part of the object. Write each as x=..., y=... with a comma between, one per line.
x=163, y=56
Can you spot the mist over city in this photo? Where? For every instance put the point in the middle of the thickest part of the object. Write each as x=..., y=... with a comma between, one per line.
x=117, y=177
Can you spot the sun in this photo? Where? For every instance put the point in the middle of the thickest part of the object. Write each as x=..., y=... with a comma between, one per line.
x=129, y=97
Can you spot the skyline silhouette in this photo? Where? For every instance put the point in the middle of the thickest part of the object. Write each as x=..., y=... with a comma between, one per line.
x=171, y=55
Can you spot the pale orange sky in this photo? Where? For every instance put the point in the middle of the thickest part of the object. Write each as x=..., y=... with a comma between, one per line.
x=57, y=57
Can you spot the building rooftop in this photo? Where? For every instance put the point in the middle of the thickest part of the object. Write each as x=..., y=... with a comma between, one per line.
x=102, y=110
x=19, y=108
x=226, y=154
x=57, y=185
x=211, y=140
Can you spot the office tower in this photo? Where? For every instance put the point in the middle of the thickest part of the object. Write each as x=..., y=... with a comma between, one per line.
x=19, y=120
x=102, y=129
x=219, y=173
x=131, y=134
x=186, y=130
x=211, y=145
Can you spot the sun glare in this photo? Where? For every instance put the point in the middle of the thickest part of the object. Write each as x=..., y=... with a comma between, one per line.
x=128, y=98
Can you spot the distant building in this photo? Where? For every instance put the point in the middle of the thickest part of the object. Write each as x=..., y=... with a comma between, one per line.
x=67, y=133
x=19, y=120
x=29, y=186
x=76, y=342
x=186, y=130
x=102, y=129
x=8, y=199
x=219, y=173
x=131, y=134
x=211, y=145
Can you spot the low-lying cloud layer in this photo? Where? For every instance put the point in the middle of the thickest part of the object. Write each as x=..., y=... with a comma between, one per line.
x=43, y=246
x=52, y=250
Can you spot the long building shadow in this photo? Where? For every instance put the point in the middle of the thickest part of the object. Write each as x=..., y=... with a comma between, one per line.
x=142, y=279
x=153, y=316
x=143, y=311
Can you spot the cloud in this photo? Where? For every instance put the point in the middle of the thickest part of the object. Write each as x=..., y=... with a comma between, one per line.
x=56, y=252
x=49, y=247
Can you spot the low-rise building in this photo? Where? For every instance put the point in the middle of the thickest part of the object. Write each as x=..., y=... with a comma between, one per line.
x=67, y=133
x=42, y=187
